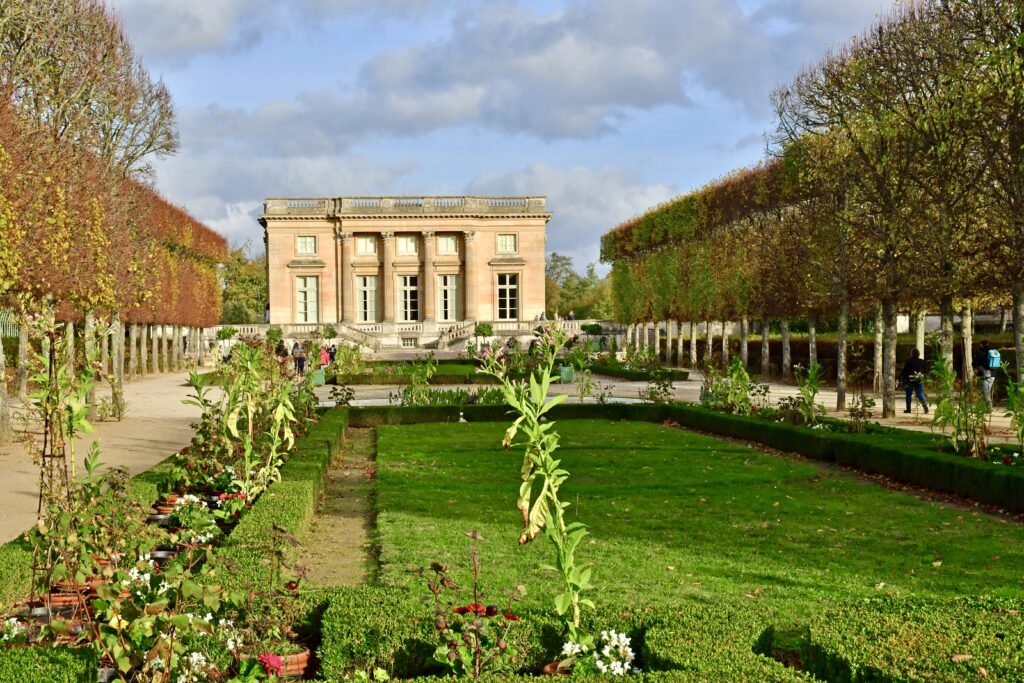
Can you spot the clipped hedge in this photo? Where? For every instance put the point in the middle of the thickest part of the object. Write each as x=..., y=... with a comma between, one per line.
x=290, y=503
x=955, y=640
x=637, y=375
x=367, y=627
x=49, y=664
x=372, y=416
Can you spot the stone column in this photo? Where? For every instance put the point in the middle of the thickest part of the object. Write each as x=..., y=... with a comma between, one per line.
x=469, y=266
x=348, y=297
x=389, y=276
x=429, y=288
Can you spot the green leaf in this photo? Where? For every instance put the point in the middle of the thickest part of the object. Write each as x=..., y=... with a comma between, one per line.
x=562, y=602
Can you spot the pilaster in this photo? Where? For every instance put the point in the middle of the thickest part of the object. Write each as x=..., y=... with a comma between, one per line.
x=472, y=306
x=389, y=276
x=429, y=288
x=347, y=279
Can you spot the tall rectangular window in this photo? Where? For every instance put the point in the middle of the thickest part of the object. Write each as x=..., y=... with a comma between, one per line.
x=305, y=246
x=409, y=298
x=307, y=300
x=508, y=244
x=447, y=244
x=448, y=297
x=407, y=245
x=508, y=296
x=366, y=245
x=367, y=285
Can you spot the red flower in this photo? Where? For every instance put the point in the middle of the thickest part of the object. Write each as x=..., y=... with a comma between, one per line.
x=510, y=616
x=1007, y=460
x=460, y=610
x=479, y=609
x=272, y=664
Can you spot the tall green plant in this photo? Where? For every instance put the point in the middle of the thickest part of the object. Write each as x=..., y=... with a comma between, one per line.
x=1015, y=407
x=961, y=416
x=544, y=511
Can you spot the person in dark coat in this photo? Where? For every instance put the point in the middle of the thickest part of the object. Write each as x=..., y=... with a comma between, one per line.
x=986, y=377
x=912, y=377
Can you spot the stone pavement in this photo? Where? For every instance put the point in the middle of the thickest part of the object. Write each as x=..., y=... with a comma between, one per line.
x=157, y=424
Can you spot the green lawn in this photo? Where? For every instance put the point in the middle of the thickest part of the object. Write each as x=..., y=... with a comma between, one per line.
x=683, y=522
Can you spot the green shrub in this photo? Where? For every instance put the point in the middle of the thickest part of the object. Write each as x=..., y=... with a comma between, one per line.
x=373, y=416
x=936, y=641
x=483, y=330
x=592, y=328
x=49, y=664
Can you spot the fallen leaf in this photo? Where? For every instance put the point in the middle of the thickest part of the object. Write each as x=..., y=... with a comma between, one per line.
x=982, y=672
x=937, y=563
x=880, y=585
x=962, y=658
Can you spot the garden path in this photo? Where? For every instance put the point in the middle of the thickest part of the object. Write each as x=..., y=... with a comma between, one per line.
x=156, y=425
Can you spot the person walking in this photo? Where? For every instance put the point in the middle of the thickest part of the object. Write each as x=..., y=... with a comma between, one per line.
x=333, y=352
x=912, y=377
x=986, y=361
x=325, y=357
x=299, y=355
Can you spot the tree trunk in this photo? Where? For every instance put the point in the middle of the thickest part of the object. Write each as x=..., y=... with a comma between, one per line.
x=1003, y=320
x=165, y=367
x=1018, y=328
x=967, y=338
x=745, y=340
x=69, y=342
x=709, y=350
x=680, y=347
x=154, y=349
x=133, y=352
x=919, y=331
x=725, y=344
x=812, y=340
x=657, y=341
x=693, y=344
x=145, y=341
x=765, y=350
x=879, y=338
x=787, y=358
x=23, y=356
x=841, y=323
x=5, y=410
x=117, y=350
x=89, y=334
x=889, y=314
x=946, y=330
x=105, y=354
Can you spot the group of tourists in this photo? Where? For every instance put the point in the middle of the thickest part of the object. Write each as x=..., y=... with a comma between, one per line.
x=298, y=353
x=986, y=360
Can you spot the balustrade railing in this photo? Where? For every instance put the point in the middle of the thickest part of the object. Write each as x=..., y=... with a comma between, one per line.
x=325, y=206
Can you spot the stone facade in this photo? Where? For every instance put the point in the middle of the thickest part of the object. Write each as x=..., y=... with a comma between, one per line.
x=405, y=270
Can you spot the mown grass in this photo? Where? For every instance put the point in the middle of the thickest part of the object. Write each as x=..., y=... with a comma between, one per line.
x=680, y=518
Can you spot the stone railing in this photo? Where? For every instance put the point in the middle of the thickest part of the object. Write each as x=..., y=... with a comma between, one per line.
x=363, y=206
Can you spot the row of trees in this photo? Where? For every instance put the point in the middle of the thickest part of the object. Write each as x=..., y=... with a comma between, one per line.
x=896, y=180
x=81, y=230
x=587, y=294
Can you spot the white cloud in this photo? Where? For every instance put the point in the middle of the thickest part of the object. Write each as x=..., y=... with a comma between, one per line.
x=583, y=201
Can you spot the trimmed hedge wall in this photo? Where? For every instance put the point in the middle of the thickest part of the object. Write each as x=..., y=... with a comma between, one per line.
x=854, y=643
x=391, y=628
x=637, y=375
x=49, y=664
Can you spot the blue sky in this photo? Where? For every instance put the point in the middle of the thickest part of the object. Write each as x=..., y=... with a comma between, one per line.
x=605, y=106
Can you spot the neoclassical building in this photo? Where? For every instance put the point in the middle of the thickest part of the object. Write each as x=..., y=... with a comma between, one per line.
x=405, y=269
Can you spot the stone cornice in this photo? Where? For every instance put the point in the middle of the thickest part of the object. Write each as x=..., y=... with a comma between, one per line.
x=402, y=207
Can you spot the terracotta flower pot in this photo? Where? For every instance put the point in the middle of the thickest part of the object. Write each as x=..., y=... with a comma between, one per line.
x=556, y=669
x=58, y=600
x=294, y=666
